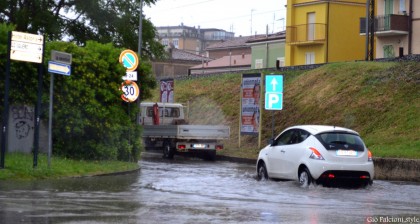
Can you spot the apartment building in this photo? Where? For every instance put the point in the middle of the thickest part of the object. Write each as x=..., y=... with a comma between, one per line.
x=191, y=39
x=322, y=31
x=397, y=28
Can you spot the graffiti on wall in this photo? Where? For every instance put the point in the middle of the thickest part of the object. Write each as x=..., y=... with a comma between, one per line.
x=22, y=121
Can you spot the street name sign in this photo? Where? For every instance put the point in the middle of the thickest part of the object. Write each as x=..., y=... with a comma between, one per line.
x=274, y=92
x=61, y=57
x=59, y=68
x=26, y=47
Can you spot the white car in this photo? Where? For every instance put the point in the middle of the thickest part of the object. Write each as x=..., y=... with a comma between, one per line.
x=316, y=154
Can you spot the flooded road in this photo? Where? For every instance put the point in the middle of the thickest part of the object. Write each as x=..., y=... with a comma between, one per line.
x=194, y=191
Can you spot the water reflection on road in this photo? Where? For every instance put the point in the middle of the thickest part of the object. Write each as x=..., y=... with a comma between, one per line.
x=194, y=191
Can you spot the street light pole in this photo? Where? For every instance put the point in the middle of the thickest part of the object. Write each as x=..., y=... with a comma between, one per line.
x=252, y=10
x=140, y=28
x=139, y=53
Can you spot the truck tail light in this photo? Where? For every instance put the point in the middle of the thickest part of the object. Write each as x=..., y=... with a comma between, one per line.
x=219, y=147
x=181, y=146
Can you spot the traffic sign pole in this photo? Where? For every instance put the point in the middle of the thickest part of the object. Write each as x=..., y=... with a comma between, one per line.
x=4, y=130
x=38, y=106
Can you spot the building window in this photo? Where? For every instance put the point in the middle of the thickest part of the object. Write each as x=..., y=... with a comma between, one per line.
x=281, y=61
x=389, y=51
x=311, y=26
x=402, y=7
x=309, y=58
x=165, y=42
x=258, y=63
x=176, y=43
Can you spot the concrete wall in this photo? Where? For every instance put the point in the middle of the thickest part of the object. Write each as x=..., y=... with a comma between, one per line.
x=397, y=169
x=385, y=168
x=21, y=128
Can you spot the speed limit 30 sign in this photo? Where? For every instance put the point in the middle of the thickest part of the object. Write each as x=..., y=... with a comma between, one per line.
x=130, y=91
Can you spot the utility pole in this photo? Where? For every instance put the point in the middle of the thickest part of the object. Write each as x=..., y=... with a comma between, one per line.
x=370, y=29
x=139, y=54
x=252, y=10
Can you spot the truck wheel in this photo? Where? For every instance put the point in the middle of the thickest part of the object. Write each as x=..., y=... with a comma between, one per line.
x=168, y=152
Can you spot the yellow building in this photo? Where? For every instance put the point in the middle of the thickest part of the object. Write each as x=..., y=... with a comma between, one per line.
x=321, y=31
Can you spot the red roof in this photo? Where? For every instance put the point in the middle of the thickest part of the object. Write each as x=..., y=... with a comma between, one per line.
x=235, y=61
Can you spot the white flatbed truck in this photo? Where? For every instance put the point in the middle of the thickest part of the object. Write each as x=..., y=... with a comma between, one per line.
x=165, y=128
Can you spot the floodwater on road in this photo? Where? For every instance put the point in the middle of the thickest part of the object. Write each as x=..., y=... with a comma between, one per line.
x=186, y=190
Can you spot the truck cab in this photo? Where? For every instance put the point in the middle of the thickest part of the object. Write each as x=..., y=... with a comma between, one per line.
x=169, y=113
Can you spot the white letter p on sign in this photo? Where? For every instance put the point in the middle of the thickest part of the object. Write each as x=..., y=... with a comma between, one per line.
x=273, y=99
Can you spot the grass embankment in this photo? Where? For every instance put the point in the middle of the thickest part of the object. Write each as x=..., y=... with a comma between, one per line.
x=379, y=100
x=20, y=166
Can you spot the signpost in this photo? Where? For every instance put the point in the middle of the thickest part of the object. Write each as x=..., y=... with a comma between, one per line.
x=131, y=91
x=129, y=60
x=61, y=57
x=130, y=76
x=59, y=68
x=27, y=47
x=273, y=95
x=274, y=92
x=60, y=64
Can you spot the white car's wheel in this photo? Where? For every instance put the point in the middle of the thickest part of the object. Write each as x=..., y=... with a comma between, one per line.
x=305, y=178
x=262, y=171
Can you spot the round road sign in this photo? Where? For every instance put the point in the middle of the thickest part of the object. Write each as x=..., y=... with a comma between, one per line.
x=130, y=91
x=129, y=60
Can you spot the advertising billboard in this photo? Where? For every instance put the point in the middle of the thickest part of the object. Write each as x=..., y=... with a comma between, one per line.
x=250, y=104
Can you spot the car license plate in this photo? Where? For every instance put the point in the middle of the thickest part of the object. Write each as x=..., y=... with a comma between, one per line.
x=199, y=146
x=341, y=152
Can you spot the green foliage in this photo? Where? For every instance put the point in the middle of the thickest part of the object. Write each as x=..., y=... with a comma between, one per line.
x=88, y=108
x=114, y=22
x=90, y=119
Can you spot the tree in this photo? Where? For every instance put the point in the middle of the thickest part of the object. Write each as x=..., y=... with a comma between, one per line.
x=78, y=21
x=88, y=109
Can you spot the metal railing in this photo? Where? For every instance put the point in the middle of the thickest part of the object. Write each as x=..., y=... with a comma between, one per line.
x=306, y=33
x=387, y=23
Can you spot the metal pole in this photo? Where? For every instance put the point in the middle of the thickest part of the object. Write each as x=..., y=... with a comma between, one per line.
x=367, y=30
x=138, y=103
x=272, y=125
x=6, y=105
x=50, y=119
x=140, y=28
x=38, y=107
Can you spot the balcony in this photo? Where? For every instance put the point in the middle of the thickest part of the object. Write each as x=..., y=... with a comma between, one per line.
x=389, y=25
x=306, y=34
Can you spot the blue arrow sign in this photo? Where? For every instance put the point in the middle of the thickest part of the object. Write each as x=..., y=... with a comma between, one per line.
x=59, y=68
x=274, y=92
x=274, y=83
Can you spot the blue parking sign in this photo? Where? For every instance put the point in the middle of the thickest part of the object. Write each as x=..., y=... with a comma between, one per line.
x=274, y=92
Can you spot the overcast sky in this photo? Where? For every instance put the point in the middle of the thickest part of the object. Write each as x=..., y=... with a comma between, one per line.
x=229, y=15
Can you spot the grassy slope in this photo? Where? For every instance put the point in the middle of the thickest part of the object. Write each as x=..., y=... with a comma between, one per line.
x=20, y=166
x=379, y=100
